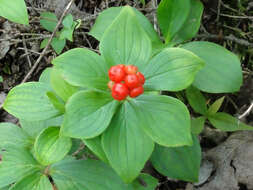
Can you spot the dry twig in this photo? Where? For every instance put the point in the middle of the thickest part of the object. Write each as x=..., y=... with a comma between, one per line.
x=26, y=52
x=218, y=13
x=230, y=38
x=247, y=112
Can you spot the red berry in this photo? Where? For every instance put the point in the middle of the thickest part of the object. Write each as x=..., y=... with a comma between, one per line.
x=121, y=66
x=131, y=69
x=141, y=77
x=116, y=73
x=110, y=84
x=136, y=92
x=119, y=91
x=132, y=81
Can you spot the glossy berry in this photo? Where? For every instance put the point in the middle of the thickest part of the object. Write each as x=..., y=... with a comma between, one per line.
x=136, y=92
x=110, y=84
x=121, y=66
x=141, y=77
x=125, y=81
x=120, y=91
x=131, y=69
x=132, y=81
x=117, y=73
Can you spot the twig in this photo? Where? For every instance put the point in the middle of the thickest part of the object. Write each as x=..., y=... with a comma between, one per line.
x=37, y=9
x=218, y=13
x=234, y=10
x=49, y=41
x=90, y=17
x=30, y=51
x=232, y=102
x=22, y=34
x=237, y=17
x=29, y=39
x=233, y=16
x=82, y=146
x=234, y=29
x=155, y=4
x=230, y=38
x=89, y=44
x=32, y=34
x=148, y=9
x=247, y=112
x=26, y=52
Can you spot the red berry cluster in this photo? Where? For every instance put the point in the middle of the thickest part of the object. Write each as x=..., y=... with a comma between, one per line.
x=124, y=81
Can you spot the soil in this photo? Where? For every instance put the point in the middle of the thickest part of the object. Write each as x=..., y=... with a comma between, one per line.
x=227, y=157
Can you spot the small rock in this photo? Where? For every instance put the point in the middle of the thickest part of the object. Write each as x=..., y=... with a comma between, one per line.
x=2, y=97
x=233, y=163
x=5, y=44
x=205, y=172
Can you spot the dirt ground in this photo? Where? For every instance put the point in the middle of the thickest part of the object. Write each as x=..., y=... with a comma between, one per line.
x=227, y=157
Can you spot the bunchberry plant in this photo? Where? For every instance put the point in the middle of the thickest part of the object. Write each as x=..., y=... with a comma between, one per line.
x=49, y=22
x=111, y=101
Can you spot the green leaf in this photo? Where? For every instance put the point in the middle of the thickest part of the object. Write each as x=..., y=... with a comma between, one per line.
x=66, y=34
x=196, y=100
x=16, y=163
x=11, y=134
x=197, y=125
x=91, y=174
x=215, y=106
x=48, y=21
x=157, y=48
x=95, y=145
x=88, y=114
x=87, y=69
x=173, y=69
x=5, y=188
x=15, y=11
x=165, y=119
x=50, y=147
x=69, y=26
x=226, y=122
x=107, y=17
x=68, y=21
x=35, y=181
x=181, y=163
x=171, y=15
x=33, y=128
x=57, y=102
x=58, y=45
x=192, y=23
x=45, y=76
x=103, y=21
x=77, y=24
x=64, y=183
x=1, y=79
x=145, y=182
x=222, y=72
x=60, y=86
x=126, y=146
x=125, y=42
x=44, y=43
x=29, y=101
